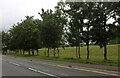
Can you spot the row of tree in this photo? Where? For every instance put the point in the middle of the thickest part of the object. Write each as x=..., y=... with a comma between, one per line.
x=72, y=23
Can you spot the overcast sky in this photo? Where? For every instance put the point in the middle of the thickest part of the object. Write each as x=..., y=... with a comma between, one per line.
x=12, y=11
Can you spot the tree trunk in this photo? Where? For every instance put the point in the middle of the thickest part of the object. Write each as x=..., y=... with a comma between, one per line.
x=29, y=52
x=105, y=52
x=79, y=52
x=76, y=52
x=17, y=52
x=88, y=52
x=10, y=51
x=3, y=51
x=37, y=52
x=54, y=52
x=58, y=51
x=45, y=52
x=33, y=52
x=48, y=52
x=23, y=52
x=20, y=51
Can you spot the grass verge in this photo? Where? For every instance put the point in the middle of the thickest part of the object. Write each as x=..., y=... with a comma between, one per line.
x=69, y=55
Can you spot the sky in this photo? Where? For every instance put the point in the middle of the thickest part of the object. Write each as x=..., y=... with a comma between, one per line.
x=12, y=11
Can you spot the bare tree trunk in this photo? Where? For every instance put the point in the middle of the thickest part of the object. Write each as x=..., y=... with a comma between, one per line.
x=10, y=51
x=54, y=52
x=79, y=52
x=23, y=52
x=2, y=51
x=48, y=53
x=33, y=52
x=37, y=52
x=58, y=51
x=29, y=52
x=87, y=51
x=45, y=52
x=76, y=52
x=20, y=51
x=105, y=52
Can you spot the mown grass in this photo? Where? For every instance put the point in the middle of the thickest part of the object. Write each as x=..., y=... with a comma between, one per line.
x=96, y=55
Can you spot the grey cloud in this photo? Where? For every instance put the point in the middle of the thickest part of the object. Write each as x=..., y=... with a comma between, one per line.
x=12, y=11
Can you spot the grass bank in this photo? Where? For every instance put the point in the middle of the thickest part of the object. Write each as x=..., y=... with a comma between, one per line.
x=96, y=55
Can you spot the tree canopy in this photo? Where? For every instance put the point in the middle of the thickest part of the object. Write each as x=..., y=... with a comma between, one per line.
x=77, y=23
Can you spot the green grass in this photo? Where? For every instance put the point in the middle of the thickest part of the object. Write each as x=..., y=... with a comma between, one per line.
x=96, y=55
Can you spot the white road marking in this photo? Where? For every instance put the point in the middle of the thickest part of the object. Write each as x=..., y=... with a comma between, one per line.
x=42, y=72
x=89, y=70
x=14, y=63
x=63, y=66
x=83, y=69
x=36, y=70
x=96, y=71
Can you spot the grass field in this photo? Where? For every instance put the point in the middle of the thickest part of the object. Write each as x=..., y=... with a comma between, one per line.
x=96, y=55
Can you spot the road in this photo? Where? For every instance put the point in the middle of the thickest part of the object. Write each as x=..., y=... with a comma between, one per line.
x=17, y=66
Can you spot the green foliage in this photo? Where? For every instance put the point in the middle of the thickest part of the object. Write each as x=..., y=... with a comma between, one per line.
x=77, y=23
x=23, y=36
x=5, y=40
x=52, y=28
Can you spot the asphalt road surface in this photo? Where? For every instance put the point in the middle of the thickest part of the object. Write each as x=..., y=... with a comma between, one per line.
x=17, y=66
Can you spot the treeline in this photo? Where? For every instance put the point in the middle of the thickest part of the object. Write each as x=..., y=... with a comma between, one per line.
x=71, y=23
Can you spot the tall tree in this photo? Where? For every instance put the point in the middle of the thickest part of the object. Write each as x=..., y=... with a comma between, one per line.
x=102, y=30
x=75, y=14
x=79, y=30
x=25, y=36
x=88, y=19
x=51, y=29
x=0, y=41
x=116, y=9
x=31, y=32
x=5, y=39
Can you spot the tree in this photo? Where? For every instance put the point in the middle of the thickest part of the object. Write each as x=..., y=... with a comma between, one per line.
x=15, y=39
x=36, y=44
x=25, y=36
x=0, y=41
x=88, y=19
x=5, y=38
x=51, y=29
x=116, y=9
x=31, y=34
x=79, y=30
x=102, y=31
x=76, y=24
x=60, y=21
